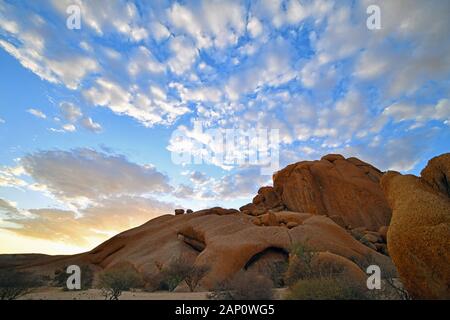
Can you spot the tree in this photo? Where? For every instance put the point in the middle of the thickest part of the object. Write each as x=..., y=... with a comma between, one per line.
x=14, y=284
x=117, y=279
x=180, y=270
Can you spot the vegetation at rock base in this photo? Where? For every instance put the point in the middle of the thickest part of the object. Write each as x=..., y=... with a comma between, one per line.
x=14, y=284
x=245, y=285
x=117, y=279
x=87, y=278
x=180, y=270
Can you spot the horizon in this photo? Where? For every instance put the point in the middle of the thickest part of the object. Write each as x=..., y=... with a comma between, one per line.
x=89, y=115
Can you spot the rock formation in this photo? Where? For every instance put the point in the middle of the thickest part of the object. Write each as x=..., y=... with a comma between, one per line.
x=419, y=234
x=346, y=190
x=225, y=240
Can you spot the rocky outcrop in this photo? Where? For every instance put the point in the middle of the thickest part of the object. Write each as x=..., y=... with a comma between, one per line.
x=226, y=243
x=419, y=234
x=266, y=199
x=346, y=190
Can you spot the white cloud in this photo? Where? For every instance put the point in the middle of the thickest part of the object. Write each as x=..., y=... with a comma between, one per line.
x=255, y=27
x=70, y=112
x=89, y=124
x=28, y=41
x=2, y=121
x=37, y=113
x=134, y=103
x=119, y=17
x=69, y=127
x=143, y=60
x=159, y=31
x=86, y=173
x=419, y=113
x=184, y=54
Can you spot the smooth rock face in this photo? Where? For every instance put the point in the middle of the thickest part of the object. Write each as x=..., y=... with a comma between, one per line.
x=418, y=237
x=347, y=189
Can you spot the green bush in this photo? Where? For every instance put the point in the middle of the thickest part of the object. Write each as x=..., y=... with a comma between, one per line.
x=14, y=284
x=300, y=263
x=276, y=271
x=326, y=288
x=117, y=279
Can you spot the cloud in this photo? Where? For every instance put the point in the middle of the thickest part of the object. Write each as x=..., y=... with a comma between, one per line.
x=70, y=112
x=37, y=113
x=28, y=37
x=69, y=127
x=86, y=173
x=419, y=113
x=254, y=27
x=89, y=124
x=134, y=103
x=2, y=121
x=184, y=54
x=121, y=17
x=94, y=223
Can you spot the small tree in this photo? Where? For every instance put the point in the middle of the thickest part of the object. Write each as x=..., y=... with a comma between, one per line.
x=14, y=284
x=174, y=273
x=180, y=270
x=118, y=279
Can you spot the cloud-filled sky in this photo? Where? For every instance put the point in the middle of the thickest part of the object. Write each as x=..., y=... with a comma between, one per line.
x=87, y=115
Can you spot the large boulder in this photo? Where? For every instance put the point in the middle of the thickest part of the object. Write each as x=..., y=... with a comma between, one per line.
x=418, y=237
x=347, y=189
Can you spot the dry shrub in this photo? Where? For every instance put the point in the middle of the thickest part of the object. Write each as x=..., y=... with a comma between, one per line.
x=14, y=284
x=326, y=288
x=179, y=270
x=244, y=286
x=117, y=279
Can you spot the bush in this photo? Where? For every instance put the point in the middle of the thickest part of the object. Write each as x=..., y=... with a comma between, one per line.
x=14, y=284
x=244, y=286
x=300, y=263
x=276, y=271
x=87, y=278
x=118, y=279
x=194, y=275
x=326, y=288
x=180, y=270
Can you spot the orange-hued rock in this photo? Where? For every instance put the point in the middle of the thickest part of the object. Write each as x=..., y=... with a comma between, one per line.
x=226, y=243
x=347, y=268
x=347, y=189
x=419, y=233
x=266, y=199
x=437, y=173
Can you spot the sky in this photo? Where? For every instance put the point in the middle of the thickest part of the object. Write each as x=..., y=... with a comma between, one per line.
x=92, y=118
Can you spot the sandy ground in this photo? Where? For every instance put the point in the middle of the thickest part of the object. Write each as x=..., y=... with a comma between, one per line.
x=95, y=294
x=47, y=293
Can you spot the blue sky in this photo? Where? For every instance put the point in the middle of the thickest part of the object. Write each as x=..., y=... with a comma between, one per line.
x=87, y=116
